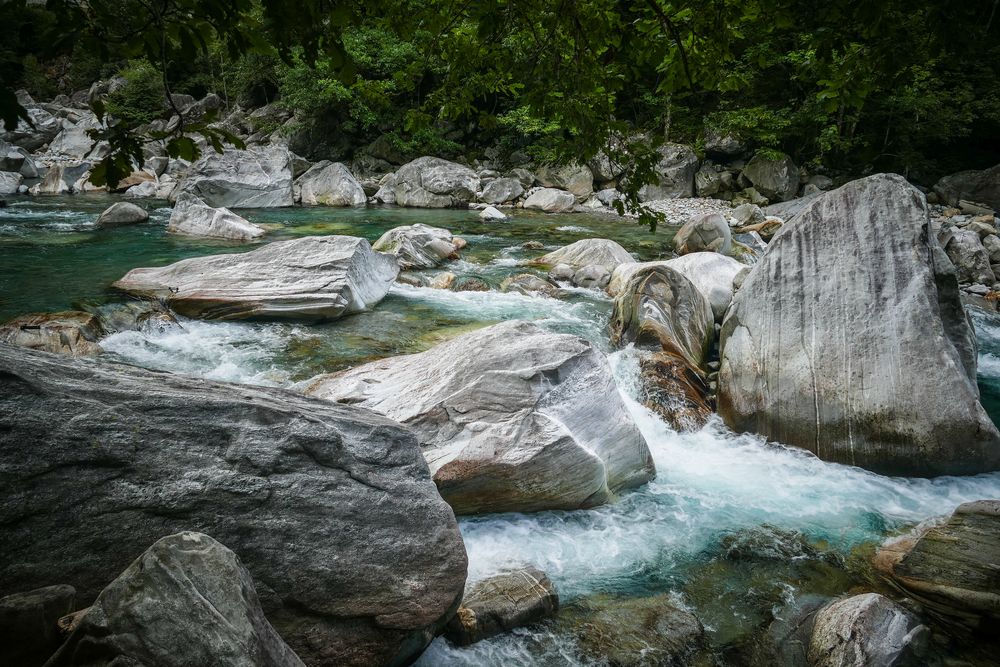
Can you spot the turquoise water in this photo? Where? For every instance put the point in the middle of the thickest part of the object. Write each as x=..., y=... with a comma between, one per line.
x=667, y=537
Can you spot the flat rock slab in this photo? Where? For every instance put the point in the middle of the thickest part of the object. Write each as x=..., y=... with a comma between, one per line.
x=318, y=277
x=512, y=418
x=331, y=508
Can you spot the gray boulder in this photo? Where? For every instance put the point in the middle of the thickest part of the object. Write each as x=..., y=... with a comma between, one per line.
x=746, y=214
x=592, y=276
x=978, y=186
x=587, y=252
x=789, y=209
x=320, y=277
x=953, y=567
x=75, y=142
x=187, y=600
x=29, y=631
x=970, y=257
x=193, y=217
x=576, y=179
x=722, y=145
x=61, y=178
x=674, y=172
x=331, y=509
x=706, y=232
x=10, y=181
x=848, y=338
x=528, y=283
x=777, y=178
x=867, y=630
x=501, y=603
x=491, y=214
x=12, y=157
x=418, y=246
x=71, y=332
x=42, y=129
x=501, y=191
x=431, y=182
x=512, y=418
x=254, y=178
x=329, y=184
x=122, y=213
x=708, y=181
x=550, y=200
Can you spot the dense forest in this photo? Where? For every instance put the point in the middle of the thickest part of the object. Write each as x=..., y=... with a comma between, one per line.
x=843, y=87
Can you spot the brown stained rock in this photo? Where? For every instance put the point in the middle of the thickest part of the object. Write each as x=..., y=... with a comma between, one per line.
x=69, y=332
x=501, y=603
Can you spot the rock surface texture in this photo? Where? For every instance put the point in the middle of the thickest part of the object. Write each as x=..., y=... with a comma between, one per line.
x=418, y=246
x=674, y=172
x=866, y=631
x=254, y=178
x=321, y=277
x=587, y=252
x=953, y=569
x=356, y=558
x=512, y=418
x=848, y=339
x=708, y=232
x=193, y=217
x=550, y=200
x=431, y=182
x=122, y=213
x=71, y=332
x=187, y=600
x=501, y=603
x=329, y=184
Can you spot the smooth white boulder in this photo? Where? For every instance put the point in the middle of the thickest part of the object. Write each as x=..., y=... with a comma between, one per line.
x=418, y=246
x=329, y=184
x=253, y=178
x=193, y=217
x=587, y=252
x=550, y=200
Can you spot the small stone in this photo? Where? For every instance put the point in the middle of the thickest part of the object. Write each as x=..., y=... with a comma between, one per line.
x=491, y=213
x=122, y=213
x=501, y=603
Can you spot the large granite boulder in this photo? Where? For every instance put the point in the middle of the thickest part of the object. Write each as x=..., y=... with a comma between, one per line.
x=970, y=257
x=550, y=200
x=587, y=252
x=329, y=184
x=774, y=176
x=10, y=182
x=331, y=508
x=512, y=418
x=122, y=213
x=674, y=173
x=62, y=178
x=32, y=136
x=501, y=603
x=187, y=600
x=707, y=232
x=193, y=217
x=978, y=186
x=864, y=631
x=848, y=339
x=254, y=178
x=577, y=179
x=75, y=142
x=713, y=274
x=320, y=277
x=431, y=182
x=664, y=315
x=29, y=624
x=71, y=332
x=418, y=246
x=502, y=191
x=951, y=568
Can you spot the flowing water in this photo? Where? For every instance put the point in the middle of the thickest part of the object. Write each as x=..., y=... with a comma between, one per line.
x=671, y=536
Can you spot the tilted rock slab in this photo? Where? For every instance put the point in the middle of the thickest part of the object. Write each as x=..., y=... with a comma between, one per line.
x=848, y=339
x=331, y=508
x=187, y=600
x=320, y=277
x=512, y=418
x=193, y=217
x=253, y=178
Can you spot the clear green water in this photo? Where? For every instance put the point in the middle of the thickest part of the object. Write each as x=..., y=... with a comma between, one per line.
x=667, y=537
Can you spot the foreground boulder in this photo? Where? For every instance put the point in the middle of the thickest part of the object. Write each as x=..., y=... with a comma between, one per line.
x=122, y=213
x=71, y=332
x=290, y=484
x=501, y=603
x=253, y=178
x=193, y=217
x=431, y=182
x=329, y=184
x=953, y=569
x=187, y=600
x=664, y=315
x=512, y=418
x=979, y=186
x=29, y=630
x=848, y=339
x=865, y=630
x=418, y=246
x=320, y=277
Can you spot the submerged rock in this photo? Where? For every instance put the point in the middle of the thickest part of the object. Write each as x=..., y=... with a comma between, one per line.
x=193, y=217
x=418, y=246
x=187, y=600
x=501, y=603
x=512, y=418
x=71, y=332
x=29, y=631
x=329, y=184
x=122, y=213
x=953, y=569
x=848, y=338
x=866, y=630
x=431, y=182
x=253, y=178
x=290, y=484
x=312, y=277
